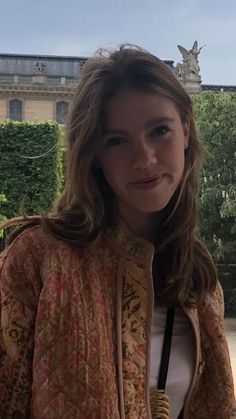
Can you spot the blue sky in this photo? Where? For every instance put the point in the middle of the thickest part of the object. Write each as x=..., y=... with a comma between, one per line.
x=71, y=27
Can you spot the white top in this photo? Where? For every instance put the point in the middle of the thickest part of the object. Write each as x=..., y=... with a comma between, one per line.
x=182, y=356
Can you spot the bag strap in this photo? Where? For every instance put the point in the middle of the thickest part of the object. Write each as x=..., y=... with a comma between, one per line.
x=165, y=356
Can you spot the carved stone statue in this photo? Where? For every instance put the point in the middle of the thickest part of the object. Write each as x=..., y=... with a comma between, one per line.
x=189, y=67
x=39, y=67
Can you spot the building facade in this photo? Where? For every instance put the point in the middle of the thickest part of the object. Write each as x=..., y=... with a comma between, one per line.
x=34, y=87
x=41, y=87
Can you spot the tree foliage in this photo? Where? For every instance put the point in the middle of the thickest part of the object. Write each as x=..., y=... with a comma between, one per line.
x=216, y=121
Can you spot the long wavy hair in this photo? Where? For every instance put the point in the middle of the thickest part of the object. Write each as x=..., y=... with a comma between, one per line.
x=182, y=264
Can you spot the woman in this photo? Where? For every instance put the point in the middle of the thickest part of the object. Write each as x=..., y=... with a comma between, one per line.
x=87, y=289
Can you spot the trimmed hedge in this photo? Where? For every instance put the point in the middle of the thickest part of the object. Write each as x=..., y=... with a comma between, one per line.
x=2, y=217
x=31, y=172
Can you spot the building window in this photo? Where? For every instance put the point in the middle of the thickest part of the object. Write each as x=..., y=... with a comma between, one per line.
x=61, y=112
x=15, y=110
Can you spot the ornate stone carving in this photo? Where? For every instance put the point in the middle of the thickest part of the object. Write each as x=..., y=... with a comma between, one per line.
x=82, y=62
x=39, y=67
x=189, y=68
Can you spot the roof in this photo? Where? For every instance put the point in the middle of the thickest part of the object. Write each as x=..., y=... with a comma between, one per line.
x=218, y=88
x=41, y=57
x=51, y=65
x=48, y=65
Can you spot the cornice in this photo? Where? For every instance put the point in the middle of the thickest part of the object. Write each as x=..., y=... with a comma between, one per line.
x=7, y=90
x=218, y=88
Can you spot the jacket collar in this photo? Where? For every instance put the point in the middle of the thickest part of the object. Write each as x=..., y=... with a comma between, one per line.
x=130, y=245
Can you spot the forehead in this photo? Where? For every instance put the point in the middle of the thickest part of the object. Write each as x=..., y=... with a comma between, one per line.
x=132, y=106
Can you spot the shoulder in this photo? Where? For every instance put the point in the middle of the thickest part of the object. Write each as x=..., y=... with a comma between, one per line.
x=35, y=257
x=22, y=261
x=36, y=242
x=34, y=249
x=211, y=309
x=215, y=299
x=28, y=246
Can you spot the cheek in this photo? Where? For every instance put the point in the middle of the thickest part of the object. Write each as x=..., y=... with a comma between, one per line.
x=113, y=165
x=172, y=160
x=180, y=163
x=110, y=171
x=178, y=156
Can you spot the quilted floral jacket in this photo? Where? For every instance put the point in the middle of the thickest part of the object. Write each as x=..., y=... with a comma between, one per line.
x=76, y=329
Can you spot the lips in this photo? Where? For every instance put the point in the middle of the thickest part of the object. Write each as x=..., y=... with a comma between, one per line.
x=148, y=183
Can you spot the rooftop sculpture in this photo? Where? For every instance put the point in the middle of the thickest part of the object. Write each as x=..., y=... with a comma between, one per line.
x=189, y=68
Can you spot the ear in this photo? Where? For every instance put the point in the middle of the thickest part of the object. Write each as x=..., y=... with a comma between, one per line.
x=186, y=134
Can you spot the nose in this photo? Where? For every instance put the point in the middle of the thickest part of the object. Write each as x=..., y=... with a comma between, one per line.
x=143, y=155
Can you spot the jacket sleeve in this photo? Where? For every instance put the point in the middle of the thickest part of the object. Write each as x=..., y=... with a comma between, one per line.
x=17, y=310
x=213, y=394
x=16, y=352
x=220, y=300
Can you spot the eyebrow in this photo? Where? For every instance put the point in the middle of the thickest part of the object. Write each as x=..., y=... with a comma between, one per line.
x=149, y=123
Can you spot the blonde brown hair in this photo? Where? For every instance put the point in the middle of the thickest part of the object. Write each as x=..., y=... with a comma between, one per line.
x=183, y=265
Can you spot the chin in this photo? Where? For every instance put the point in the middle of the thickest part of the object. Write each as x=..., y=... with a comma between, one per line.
x=152, y=208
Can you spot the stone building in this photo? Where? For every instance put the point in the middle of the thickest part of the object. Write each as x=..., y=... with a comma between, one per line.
x=37, y=87
x=41, y=87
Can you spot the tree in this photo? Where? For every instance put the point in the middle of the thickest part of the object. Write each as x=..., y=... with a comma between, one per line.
x=216, y=122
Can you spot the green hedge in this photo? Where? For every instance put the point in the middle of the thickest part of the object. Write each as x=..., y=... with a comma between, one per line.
x=2, y=217
x=30, y=166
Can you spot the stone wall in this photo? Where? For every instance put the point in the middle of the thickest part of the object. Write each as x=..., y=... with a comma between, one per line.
x=40, y=110
x=3, y=109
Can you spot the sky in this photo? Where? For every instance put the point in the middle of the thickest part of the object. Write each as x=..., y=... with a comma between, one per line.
x=80, y=27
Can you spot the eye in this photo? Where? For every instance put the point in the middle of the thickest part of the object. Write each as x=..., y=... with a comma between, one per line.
x=115, y=141
x=160, y=131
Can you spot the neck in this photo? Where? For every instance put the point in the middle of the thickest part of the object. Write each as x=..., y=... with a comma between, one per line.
x=141, y=225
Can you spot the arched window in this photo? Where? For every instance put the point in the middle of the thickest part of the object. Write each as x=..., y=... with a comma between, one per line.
x=61, y=112
x=15, y=110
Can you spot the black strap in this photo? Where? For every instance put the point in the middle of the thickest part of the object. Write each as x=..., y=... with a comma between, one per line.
x=165, y=356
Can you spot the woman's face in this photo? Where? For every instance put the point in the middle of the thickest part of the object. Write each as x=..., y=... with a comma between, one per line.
x=142, y=153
